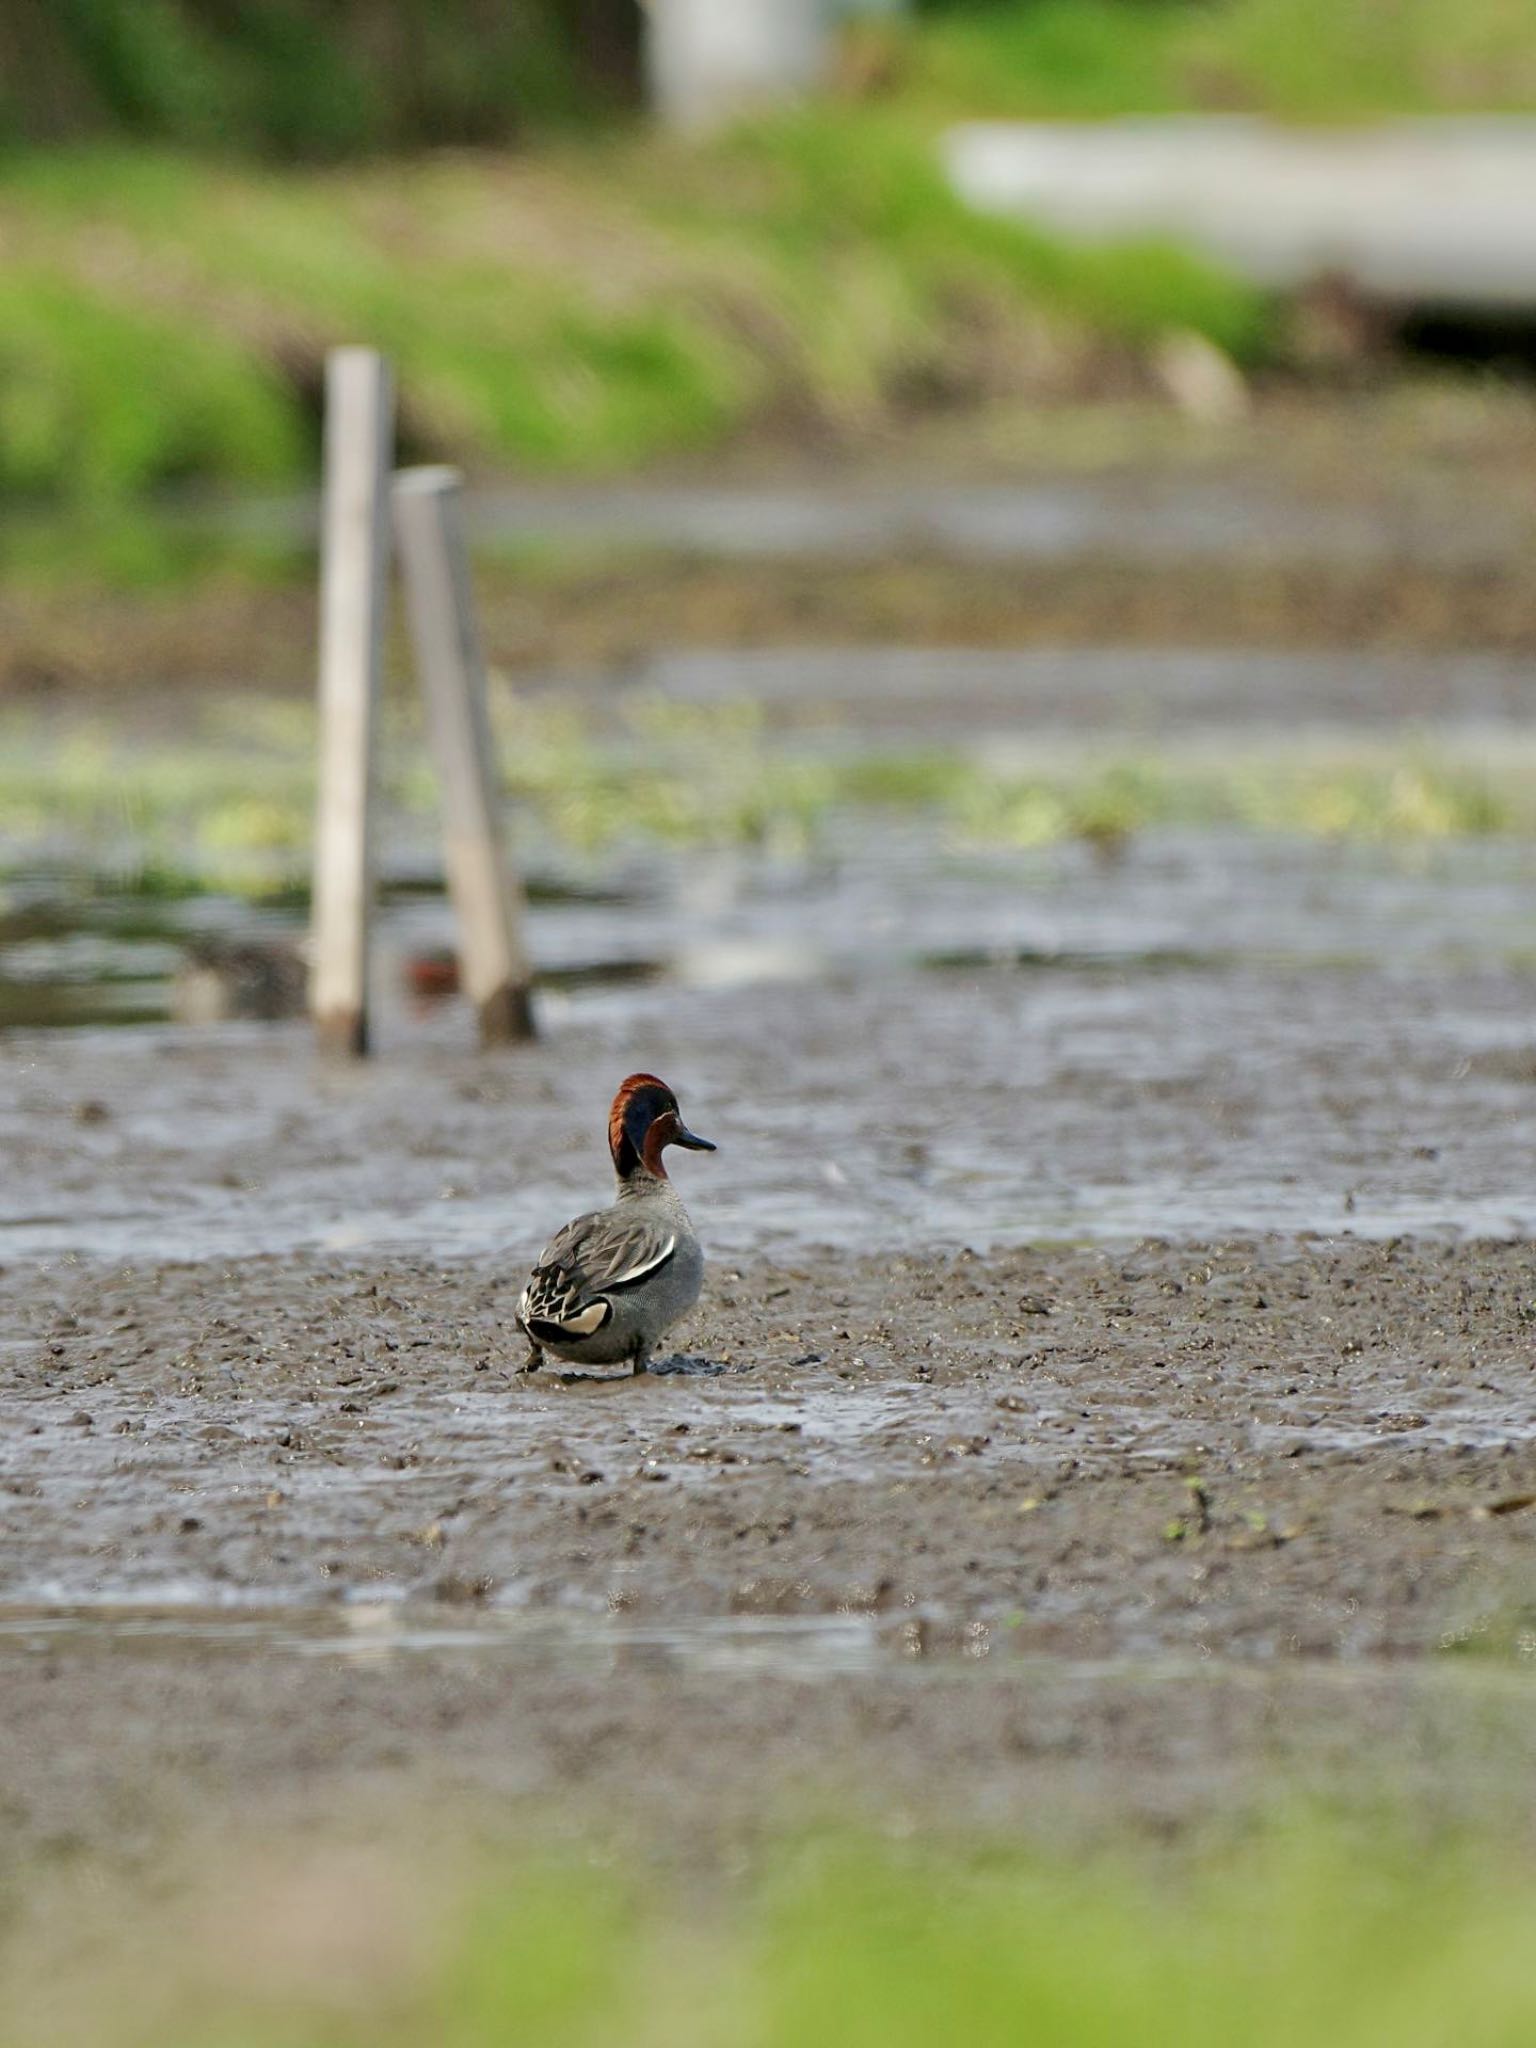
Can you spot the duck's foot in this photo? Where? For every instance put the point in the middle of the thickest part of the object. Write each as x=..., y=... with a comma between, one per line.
x=534, y=1359
x=642, y=1363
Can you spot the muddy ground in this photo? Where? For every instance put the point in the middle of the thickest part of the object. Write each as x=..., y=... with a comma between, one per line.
x=608, y=617
x=1065, y=1534
x=1069, y=1539
x=1380, y=519
x=1275, y=1449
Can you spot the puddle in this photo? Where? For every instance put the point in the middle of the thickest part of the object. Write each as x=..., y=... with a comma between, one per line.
x=382, y=1633
x=385, y=1637
x=1160, y=1092
x=877, y=897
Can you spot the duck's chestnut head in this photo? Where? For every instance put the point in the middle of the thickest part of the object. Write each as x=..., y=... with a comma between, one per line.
x=643, y=1121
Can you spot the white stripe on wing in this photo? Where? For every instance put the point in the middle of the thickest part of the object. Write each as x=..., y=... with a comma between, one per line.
x=646, y=1266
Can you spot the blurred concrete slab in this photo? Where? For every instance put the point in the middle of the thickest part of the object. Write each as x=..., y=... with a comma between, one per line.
x=707, y=60
x=1414, y=212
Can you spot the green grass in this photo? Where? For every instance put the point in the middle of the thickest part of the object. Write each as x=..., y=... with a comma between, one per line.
x=306, y=79
x=105, y=397
x=292, y=77
x=154, y=551
x=1302, y=1939
x=588, y=309
x=1294, y=59
x=1386, y=791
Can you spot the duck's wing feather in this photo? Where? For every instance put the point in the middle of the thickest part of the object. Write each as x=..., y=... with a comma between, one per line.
x=588, y=1261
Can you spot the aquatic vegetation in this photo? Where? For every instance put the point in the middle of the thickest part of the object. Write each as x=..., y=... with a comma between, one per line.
x=229, y=805
x=1392, y=791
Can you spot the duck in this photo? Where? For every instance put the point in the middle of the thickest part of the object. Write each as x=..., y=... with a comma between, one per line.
x=609, y=1286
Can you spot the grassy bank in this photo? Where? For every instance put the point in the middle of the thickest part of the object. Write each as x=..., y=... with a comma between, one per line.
x=570, y=309
x=1330, y=60
x=604, y=302
x=306, y=79
x=1296, y=1943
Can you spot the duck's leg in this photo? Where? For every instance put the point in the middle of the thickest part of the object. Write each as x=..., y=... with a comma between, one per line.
x=535, y=1356
x=642, y=1359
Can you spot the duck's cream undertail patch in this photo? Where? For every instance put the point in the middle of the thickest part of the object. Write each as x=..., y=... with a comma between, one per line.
x=589, y=1320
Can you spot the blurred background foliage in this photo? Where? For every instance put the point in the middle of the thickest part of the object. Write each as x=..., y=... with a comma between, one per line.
x=1295, y=59
x=577, y=307
x=1302, y=1937
x=327, y=79
x=198, y=197
x=309, y=78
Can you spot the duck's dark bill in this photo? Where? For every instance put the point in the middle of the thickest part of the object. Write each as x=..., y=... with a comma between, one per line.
x=686, y=1137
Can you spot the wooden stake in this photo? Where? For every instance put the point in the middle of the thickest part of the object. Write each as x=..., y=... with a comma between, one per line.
x=359, y=453
x=487, y=895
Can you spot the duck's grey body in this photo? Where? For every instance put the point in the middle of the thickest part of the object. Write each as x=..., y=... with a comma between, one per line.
x=611, y=1284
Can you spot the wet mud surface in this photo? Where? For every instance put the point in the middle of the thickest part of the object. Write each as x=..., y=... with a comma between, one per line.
x=1388, y=522
x=1112, y=1404
x=872, y=1109
x=1054, y=1534
x=1004, y=1441
x=578, y=618
x=963, y=1506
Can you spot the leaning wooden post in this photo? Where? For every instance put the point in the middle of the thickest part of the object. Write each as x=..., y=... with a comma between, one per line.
x=487, y=895
x=354, y=560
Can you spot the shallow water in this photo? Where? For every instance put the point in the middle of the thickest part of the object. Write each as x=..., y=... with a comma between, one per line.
x=1028, y=697
x=372, y=1633
x=874, y=897
x=1157, y=519
x=1209, y=1032
x=869, y=892
x=816, y=1648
